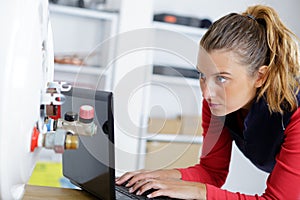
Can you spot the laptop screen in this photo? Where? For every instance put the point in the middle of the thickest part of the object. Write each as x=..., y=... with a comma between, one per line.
x=91, y=166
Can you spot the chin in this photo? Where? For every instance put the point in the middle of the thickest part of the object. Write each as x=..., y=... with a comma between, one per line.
x=221, y=112
x=218, y=113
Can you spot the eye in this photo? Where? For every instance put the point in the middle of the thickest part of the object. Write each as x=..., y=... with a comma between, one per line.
x=221, y=79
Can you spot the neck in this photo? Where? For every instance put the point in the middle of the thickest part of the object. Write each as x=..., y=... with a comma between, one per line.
x=248, y=105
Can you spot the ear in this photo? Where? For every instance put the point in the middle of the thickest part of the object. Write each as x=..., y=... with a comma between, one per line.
x=261, y=76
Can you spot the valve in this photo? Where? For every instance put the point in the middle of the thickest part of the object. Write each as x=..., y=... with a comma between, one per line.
x=59, y=140
x=45, y=133
x=34, y=138
x=85, y=125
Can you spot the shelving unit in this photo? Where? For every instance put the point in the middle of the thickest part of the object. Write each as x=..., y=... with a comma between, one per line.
x=174, y=138
x=82, y=76
x=82, y=12
x=99, y=36
x=174, y=80
x=89, y=70
x=174, y=95
x=187, y=30
x=90, y=36
x=82, y=33
x=177, y=45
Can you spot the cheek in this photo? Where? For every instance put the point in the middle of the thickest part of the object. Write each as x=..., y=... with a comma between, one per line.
x=231, y=97
x=221, y=91
x=227, y=96
x=239, y=96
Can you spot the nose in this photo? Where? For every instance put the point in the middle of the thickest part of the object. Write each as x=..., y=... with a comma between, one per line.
x=207, y=92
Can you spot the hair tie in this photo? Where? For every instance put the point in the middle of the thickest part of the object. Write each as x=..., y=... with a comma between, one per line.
x=251, y=17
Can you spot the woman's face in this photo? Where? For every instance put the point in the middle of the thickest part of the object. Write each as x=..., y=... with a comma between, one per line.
x=225, y=83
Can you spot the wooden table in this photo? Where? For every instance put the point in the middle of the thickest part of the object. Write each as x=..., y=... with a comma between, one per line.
x=51, y=193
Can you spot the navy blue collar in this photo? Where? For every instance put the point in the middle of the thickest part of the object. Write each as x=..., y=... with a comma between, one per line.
x=262, y=136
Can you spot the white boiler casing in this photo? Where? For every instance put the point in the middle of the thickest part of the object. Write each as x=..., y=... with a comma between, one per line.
x=26, y=65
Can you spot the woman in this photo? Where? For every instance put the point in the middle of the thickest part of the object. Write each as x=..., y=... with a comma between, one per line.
x=249, y=68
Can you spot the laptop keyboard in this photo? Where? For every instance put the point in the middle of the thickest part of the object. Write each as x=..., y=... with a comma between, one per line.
x=123, y=193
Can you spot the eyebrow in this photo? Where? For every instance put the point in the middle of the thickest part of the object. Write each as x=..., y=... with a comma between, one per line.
x=222, y=73
x=219, y=73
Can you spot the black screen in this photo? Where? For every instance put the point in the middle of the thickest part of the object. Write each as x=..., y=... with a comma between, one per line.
x=91, y=166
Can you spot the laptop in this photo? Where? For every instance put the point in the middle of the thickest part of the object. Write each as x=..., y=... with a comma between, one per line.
x=91, y=167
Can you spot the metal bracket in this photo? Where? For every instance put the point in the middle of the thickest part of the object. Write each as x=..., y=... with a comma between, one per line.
x=53, y=94
x=60, y=86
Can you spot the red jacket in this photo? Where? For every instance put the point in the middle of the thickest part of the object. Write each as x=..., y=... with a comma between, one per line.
x=283, y=181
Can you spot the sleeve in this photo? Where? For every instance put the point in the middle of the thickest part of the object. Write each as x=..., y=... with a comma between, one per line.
x=283, y=182
x=216, y=151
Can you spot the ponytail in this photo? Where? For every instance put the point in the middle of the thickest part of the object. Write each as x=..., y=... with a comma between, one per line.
x=283, y=68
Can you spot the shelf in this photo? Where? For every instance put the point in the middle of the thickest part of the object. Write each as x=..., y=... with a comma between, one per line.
x=175, y=80
x=185, y=72
x=180, y=28
x=88, y=70
x=174, y=138
x=82, y=76
x=82, y=12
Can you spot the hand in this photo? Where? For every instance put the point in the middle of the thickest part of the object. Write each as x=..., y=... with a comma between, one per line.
x=136, y=176
x=173, y=188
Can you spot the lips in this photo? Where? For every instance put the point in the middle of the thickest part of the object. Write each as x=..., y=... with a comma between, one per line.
x=213, y=105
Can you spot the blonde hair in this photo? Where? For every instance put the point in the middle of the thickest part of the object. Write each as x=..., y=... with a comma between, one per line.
x=258, y=37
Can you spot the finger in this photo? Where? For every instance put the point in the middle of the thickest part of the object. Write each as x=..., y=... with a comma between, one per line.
x=128, y=176
x=156, y=193
x=160, y=193
x=125, y=177
x=138, y=177
x=136, y=186
x=147, y=185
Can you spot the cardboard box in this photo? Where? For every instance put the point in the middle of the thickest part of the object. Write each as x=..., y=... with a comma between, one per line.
x=167, y=155
x=184, y=125
x=167, y=126
x=191, y=125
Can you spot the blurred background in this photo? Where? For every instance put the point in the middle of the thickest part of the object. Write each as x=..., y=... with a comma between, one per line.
x=145, y=52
